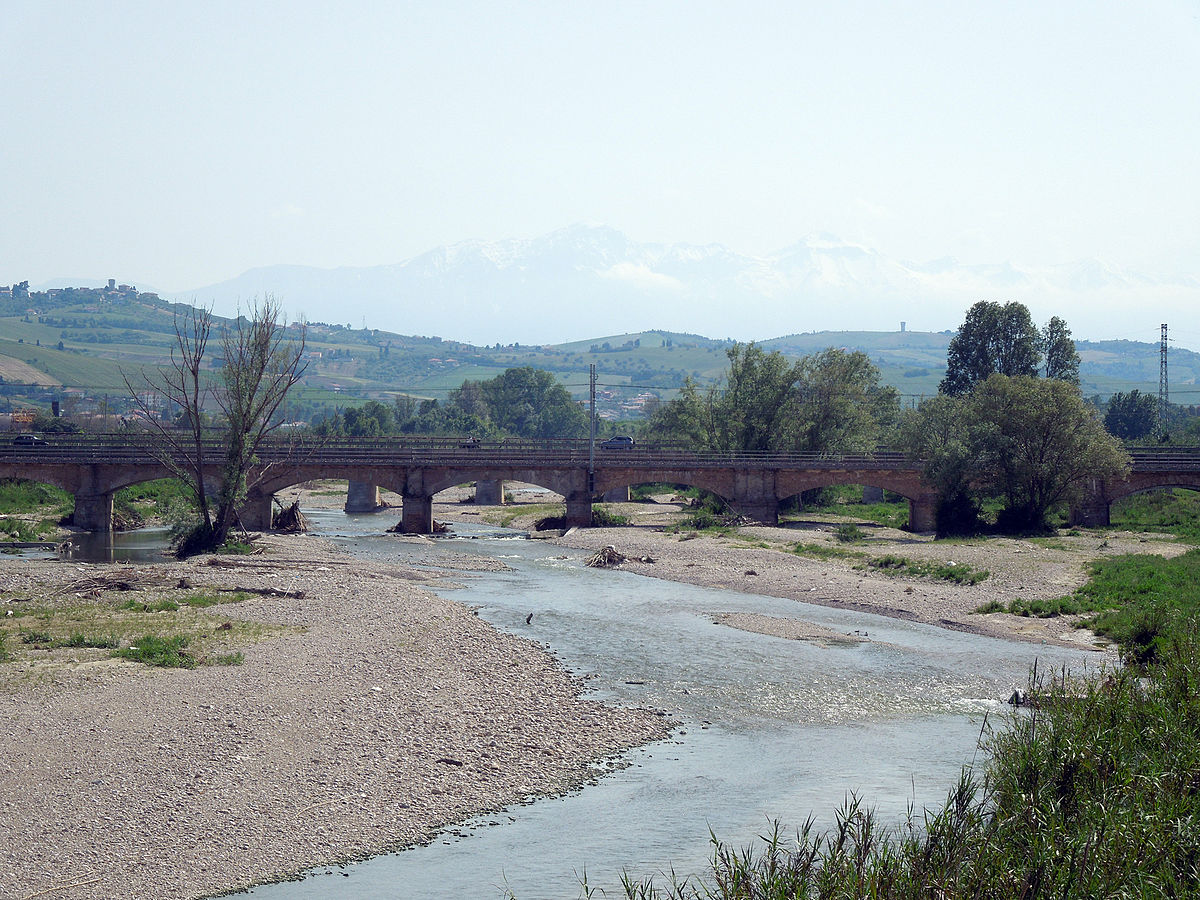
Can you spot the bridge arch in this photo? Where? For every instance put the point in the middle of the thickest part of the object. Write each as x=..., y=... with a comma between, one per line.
x=1145, y=484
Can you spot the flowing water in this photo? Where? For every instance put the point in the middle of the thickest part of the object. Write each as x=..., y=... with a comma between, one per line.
x=772, y=729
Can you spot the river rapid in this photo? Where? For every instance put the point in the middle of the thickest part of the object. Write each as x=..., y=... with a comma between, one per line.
x=769, y=729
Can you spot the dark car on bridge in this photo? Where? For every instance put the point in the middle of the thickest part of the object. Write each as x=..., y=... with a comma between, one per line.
x=28, y=440
x=620, y=442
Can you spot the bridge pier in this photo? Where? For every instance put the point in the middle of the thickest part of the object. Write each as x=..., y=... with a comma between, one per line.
x=872, y=494
x=489, y=493
x=362, y=497
x=616, y=495
x=754, y=495
x=763, y=512
x=579, y=510
x=922, y=513
x=1093, y=508
x=93, y=513
x=1090, y=515
x=255, y=513
x=416, y=515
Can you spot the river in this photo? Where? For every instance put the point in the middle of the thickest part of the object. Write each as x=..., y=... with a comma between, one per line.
x=771, y=729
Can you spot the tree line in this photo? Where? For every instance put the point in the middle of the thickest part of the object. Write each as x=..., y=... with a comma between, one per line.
x=1008, y=426
x=522, y=402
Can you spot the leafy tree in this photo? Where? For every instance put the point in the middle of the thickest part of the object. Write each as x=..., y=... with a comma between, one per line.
x=756, y=409
x=262, y=362
x=1131, y=416
x=1040, y=446
x=527, y=402
x=829, y=402
x=1062, y=362
x=941, y=433
x=995, y=338
x=1032, y=443
x=842, y=405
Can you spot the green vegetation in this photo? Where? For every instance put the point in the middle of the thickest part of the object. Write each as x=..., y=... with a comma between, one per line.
x=1172, y=511
x=847, y=500
x=165, y=652
x=1090, y=793
x=825, y=551
x=1033, y=444
x=602, y=517
x=505, y=516
x=23, y=530
x=1135, y=600
x=520, y=402
x=18, y=496
x=642, y=492
x=1001, y=339
x=918, y=568
x=1131, y=416
x=159, y=627
x=828, y=402
x=849, y=534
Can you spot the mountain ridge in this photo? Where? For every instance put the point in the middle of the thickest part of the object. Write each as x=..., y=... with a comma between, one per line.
x=557, y=288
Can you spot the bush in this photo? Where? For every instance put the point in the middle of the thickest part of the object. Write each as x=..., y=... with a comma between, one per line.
x=603, y=518
x=850, y=534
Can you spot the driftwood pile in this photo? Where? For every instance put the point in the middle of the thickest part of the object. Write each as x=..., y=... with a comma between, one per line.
x=606, y=558
x=289, y=520
x=122, y=581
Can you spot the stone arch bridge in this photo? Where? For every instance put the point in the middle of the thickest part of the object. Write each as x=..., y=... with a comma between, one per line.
x=94, y=467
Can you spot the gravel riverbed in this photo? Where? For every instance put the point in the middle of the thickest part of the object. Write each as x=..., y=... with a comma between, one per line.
x=374, y=713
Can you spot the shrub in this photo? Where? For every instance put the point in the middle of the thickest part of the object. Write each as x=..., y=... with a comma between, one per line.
x=850, y=534
x=603, y=518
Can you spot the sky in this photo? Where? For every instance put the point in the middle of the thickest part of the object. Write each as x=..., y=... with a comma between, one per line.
x=178, y=145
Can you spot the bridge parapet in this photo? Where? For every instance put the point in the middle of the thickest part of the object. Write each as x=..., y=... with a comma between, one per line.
x=93, y=467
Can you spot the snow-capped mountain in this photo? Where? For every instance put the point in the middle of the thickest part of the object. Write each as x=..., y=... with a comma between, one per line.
x=586, y=280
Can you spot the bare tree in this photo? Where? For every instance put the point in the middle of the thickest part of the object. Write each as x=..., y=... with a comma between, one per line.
x=262, y=362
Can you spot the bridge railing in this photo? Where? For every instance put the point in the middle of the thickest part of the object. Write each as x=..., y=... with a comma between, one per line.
x=141, y=447
x=138, y=447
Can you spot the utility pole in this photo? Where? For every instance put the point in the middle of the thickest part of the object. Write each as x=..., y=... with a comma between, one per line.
x=1163, y=392
x=592, y=429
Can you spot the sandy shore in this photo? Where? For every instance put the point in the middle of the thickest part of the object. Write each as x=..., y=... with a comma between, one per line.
x=374, y=714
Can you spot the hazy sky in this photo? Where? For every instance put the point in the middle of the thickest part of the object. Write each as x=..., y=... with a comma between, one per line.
x=176, y=145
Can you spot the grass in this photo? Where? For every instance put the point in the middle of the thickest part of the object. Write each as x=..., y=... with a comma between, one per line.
x=1172, y=511
x=167, y=628
x=18, y=496
x=919, y=568
x=164, y=652
x=1133, y=599
x=643, y=492
x=702, y=522
x=848, y=533
x=24, y=530
x=1092, y=792
x=825, y=551
x=846, y=500
x=504, y=517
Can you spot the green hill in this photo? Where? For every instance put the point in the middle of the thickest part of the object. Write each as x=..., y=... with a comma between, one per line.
x=76, y=345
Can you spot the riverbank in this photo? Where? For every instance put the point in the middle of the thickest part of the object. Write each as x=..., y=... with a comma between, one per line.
x=371, y=714
x=829, y=572
x=760, y=560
